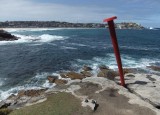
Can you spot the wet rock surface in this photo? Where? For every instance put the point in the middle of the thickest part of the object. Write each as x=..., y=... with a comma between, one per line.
x=52, y=79
x=74, y=75
x=6, y=36
x=86, y=73
x=22, y=98
x=129, y=70
x=60, y=82
x=87, y=68
x=155, y=68
x=108, y=73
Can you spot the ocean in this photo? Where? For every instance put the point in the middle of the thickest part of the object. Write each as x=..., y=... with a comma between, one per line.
x=26, y=63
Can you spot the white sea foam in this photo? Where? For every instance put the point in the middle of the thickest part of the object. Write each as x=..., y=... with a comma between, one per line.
x=110, y=61
x=48, y=85
x=76, y=44
x=43, y=77
x=14, y=90
x=71, y=48
x=34, y=39
x=140, y=48
x=30, y=29
x=1, y=83
x=39, y=81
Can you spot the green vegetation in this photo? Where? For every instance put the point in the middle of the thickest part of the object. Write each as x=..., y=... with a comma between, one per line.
x=5, y=111
x=56, y=104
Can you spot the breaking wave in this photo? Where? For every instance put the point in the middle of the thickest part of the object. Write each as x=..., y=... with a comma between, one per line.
x=109, y=60
x=34, y=39
x=30, y=29
x=37, y=82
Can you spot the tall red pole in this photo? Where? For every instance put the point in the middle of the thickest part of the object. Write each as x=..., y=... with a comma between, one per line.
x=115, y=46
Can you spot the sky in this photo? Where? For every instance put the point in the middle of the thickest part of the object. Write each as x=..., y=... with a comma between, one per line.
x=144, y=12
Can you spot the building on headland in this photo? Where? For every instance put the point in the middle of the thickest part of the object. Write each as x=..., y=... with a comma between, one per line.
x=129, y=25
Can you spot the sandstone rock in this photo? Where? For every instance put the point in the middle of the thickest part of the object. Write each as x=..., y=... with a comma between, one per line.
x=155, y=68
x=86, y=68
x=52, y=79
x=5, y=36
x=60, y=82
x=101, y=67
x=63, y=75
x=31, y=93
x=12, y=96
x=86, y=73
x=74, y=75
x=110, y=74
x=129, y=70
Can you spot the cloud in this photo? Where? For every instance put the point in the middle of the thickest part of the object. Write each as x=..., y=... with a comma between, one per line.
x=141, y=11
x=29, y=10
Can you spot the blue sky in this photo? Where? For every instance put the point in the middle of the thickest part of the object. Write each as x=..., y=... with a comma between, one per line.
x=145, y=12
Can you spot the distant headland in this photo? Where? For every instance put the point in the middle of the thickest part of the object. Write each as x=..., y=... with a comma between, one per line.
x=57, y=24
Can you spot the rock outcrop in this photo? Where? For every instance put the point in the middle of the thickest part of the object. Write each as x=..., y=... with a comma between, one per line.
x=107, y=73
x=31, y=93
x=86, y=68
x=52, y=79
x=6, y=36
x=86, y=73
x=60, y=82
x=72, y=75
x=155, y=68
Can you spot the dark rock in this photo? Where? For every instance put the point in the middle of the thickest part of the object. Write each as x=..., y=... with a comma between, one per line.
x=52, y=79
x=130, y=75
x=86, y=73
x=60, y=82
x=74, y=75
x=150, y=78
x=140, y=82
x=93, y=101
x=5, y=36
x=155, y=68
x=86, y=100
x=86, y=68
x=4, y=104
x=101, y=67
x=31, y=93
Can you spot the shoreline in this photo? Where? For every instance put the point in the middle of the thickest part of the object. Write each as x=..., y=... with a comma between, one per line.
x=53, y=28
x=71, y=86
x=94, y=73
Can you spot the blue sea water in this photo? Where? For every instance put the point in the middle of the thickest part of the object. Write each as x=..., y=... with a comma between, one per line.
x=25, y=63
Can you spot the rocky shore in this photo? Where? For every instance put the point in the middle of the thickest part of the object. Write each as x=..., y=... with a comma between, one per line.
x=6, y=36
x=90, y=94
